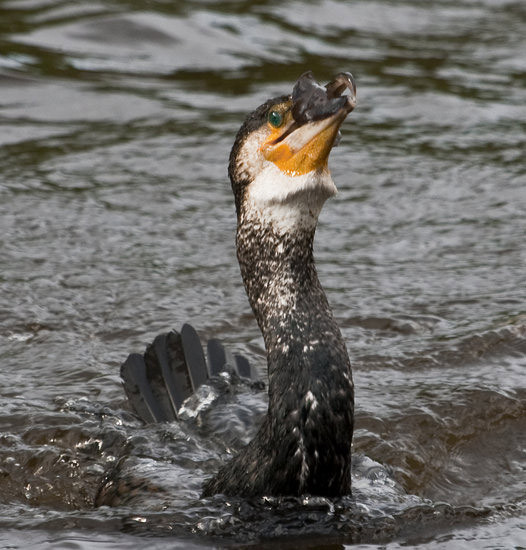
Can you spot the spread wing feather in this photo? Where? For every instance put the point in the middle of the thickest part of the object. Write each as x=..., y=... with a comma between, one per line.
x=171, y=369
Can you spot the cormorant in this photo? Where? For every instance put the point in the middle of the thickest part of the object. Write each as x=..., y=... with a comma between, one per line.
x=280, y=178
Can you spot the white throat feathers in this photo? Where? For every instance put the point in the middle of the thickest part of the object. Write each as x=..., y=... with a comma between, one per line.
x=288, y=203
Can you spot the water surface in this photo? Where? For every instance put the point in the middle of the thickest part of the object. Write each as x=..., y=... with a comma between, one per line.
x=117, y=223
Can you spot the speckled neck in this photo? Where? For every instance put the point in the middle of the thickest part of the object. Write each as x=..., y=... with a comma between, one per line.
x=310, y=380
x=280, y=278
x=283, y=289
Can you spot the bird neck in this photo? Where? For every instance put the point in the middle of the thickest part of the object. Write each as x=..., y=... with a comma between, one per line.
x=288, y=300
x=311, y=394
x=307, y=433
x=279, y=274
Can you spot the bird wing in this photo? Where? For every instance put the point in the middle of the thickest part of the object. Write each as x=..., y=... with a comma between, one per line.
x=171, y=369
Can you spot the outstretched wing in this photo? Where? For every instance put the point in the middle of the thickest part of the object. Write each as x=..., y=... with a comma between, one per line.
x=171, y=369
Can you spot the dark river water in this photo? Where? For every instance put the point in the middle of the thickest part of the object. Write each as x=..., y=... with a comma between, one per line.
x=117, y=223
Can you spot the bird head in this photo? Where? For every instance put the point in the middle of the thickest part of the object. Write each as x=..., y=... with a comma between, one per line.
x=279, y=162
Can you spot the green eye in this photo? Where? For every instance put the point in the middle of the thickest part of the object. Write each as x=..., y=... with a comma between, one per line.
x=275, y=118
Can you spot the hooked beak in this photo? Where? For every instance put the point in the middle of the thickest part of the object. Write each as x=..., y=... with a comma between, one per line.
x=317, y=112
